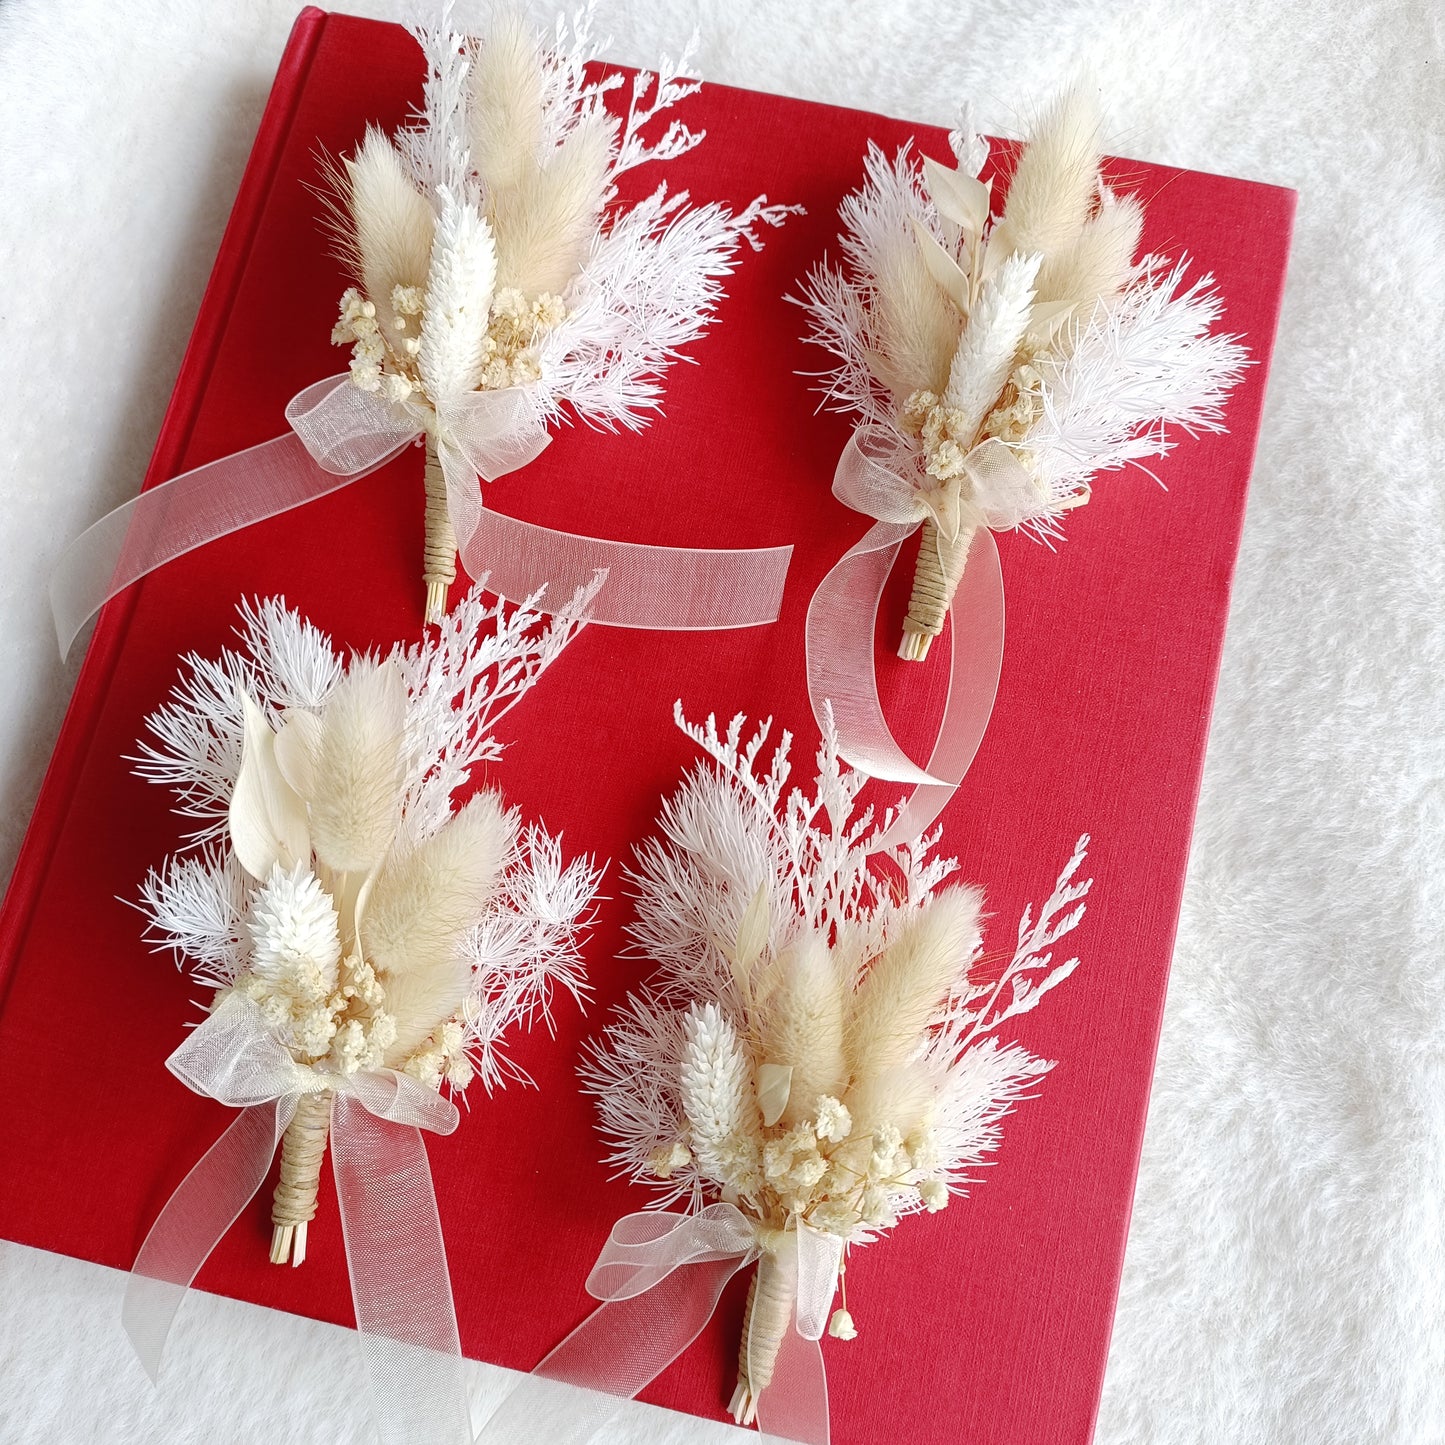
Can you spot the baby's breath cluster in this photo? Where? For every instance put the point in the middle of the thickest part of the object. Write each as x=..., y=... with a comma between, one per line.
x=385, y=359
x=849, y=1182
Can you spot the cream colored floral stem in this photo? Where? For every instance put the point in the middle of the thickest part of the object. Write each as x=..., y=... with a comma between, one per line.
x=768, y=1316
x=302, y=1150
x=441, y=542
x=935, y=580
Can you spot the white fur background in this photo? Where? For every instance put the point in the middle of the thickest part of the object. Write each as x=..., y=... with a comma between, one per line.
x=1286, y=1273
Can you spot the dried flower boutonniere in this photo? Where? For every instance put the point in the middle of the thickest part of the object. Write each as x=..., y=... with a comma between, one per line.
x=339, y=898
x=997, y=365
x=819, y=1056
x=498, y=277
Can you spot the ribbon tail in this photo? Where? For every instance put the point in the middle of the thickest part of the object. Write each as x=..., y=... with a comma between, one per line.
x=167, y=521
x=206, y=1203
x=794, y=1407
x=842, y=624
x=405, y=1320
x=617, y=1351
x=464, y=495
x=976, y=634
x=671, y=589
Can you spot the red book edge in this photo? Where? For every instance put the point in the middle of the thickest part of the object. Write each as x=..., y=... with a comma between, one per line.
x=52, y=806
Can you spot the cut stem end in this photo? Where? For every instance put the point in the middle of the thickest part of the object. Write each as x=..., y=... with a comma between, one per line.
x=915, y=645
x=436, y=601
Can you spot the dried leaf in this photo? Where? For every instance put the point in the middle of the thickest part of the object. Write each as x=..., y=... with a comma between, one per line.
x=961, y=198
x=775, y=1082
x=949, y=275
x=297, y=742
x=753, y=930
x=267, y=818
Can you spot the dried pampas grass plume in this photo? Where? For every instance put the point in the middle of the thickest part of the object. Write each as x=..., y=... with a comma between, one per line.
x=546, y=219
x=910, y=981
x=423, y=904
x=354, y=810
x=1099, y=263
x=801, y=1026
x=392, y=224
x=504, y=118
x=1055, y=183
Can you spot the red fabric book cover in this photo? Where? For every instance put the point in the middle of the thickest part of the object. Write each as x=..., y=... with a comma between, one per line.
x=1004, y=1300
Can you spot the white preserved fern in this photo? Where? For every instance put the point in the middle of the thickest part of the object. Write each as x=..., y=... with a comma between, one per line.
x=820, y=1042
x=338, y=882
x=942, y=354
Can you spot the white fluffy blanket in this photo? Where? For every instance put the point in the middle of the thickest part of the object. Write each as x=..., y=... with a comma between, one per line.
x=1286, y=1273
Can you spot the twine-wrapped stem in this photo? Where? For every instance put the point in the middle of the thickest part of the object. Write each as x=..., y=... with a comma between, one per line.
x=768, y=1317
x=302, y=1149
x=935, y=579
x=440, y=557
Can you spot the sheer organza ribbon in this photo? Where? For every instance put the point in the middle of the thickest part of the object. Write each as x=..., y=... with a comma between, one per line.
x=873, y=477
x=659, y=1278
x=340, y=434
x=405, y=1320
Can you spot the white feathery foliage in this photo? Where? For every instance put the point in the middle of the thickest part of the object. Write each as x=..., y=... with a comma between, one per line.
x=195, y=743
x=781, y=950
x=292, y=660
x=881, y=315
x=472, y=669
x=1129, y=373
x=196, y=907
x=1113, y=354
x=590, y=300
x=649, y=287
x=472, y=927
x=525, y=948
x=437, y=146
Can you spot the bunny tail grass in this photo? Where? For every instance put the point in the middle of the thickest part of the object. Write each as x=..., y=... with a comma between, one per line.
x=294, y=1204
x=440, y=568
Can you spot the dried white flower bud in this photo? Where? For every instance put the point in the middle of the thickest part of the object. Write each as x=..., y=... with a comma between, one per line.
x=934, y=1193
x=295, y=941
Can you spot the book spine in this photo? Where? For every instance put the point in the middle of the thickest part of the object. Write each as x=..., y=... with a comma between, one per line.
x=53, y=804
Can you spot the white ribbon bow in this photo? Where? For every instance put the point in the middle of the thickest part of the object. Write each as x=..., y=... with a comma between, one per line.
x=405, y=1320
x=843, y=616
x=340, y=434
x=659, y=1277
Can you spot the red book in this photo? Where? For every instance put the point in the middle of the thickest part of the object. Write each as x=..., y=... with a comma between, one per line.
x=1003, y=1302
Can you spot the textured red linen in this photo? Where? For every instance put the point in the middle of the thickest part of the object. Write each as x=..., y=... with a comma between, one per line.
x=1002, y=1304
